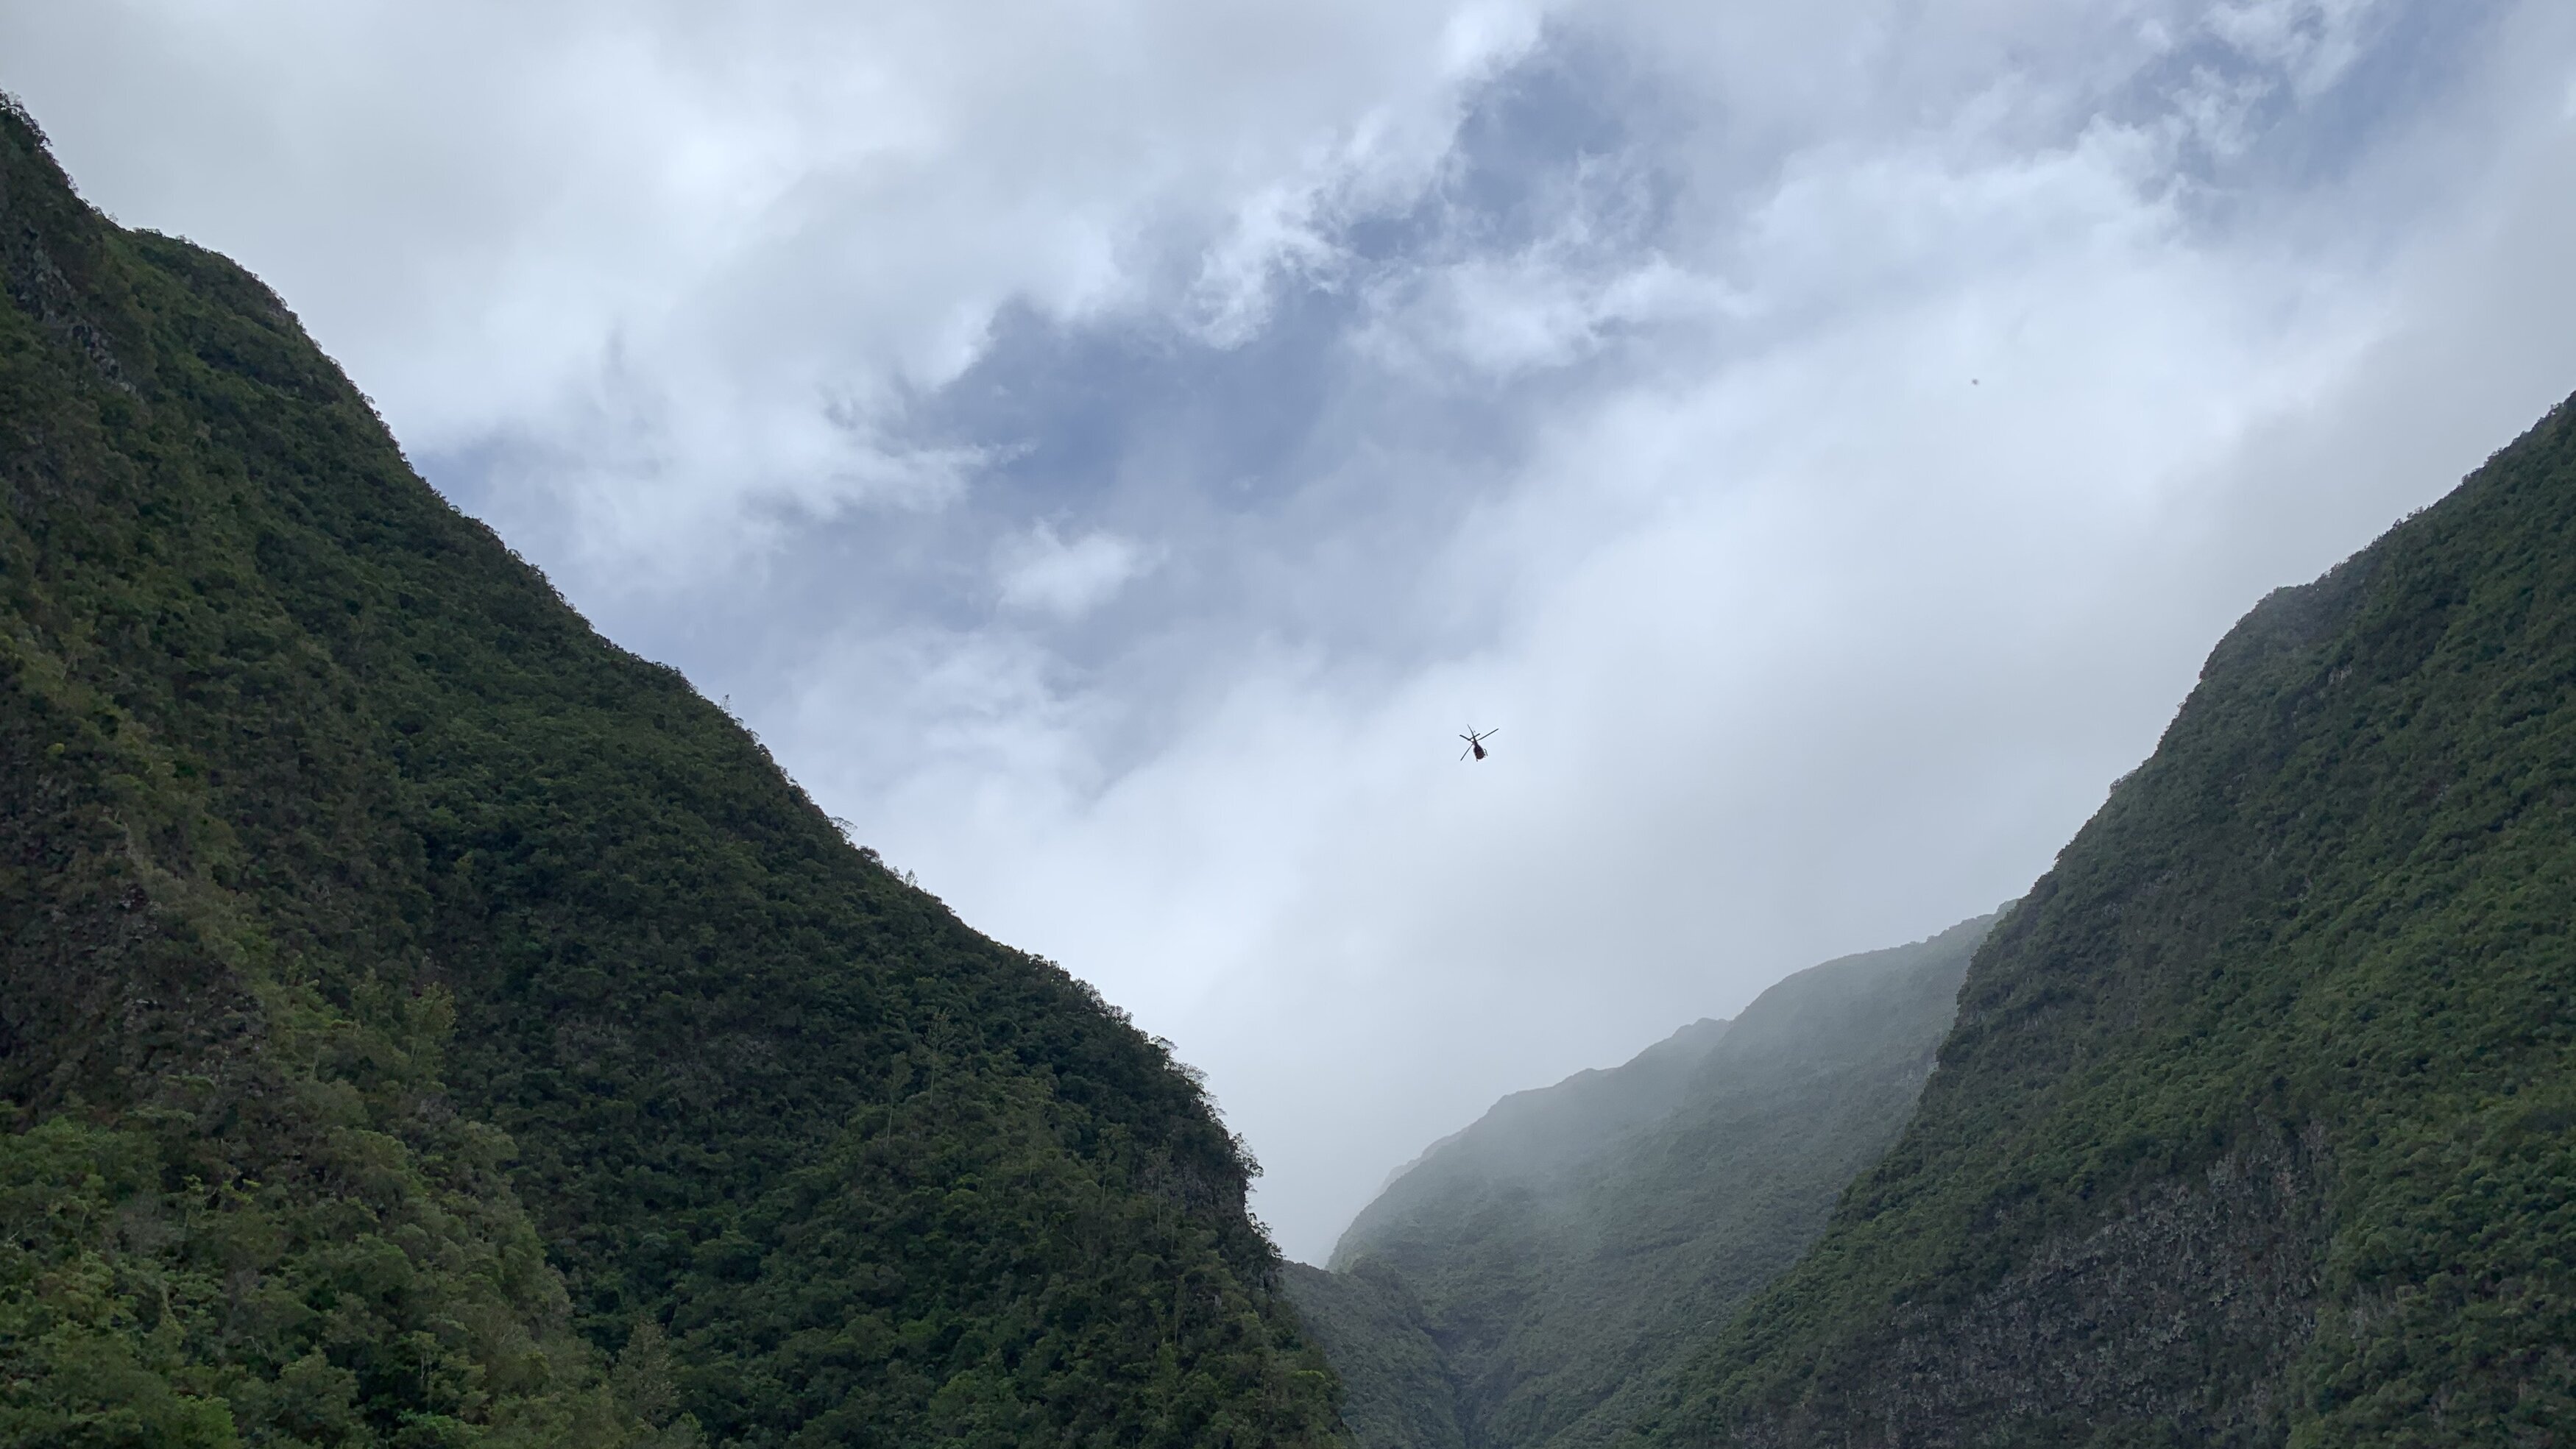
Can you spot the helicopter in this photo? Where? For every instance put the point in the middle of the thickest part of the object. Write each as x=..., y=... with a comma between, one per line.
x=1475, y=739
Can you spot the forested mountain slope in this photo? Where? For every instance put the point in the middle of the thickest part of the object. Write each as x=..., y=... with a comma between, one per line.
x=2259, y=1120
x=1538, y=1278
x=423, y=1023
x=1397, y=1389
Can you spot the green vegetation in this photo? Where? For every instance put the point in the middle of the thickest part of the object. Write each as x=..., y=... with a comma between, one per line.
x=1396, y=1384
x=425, y=1024
x=1537, y=1279
x=2259, y=1121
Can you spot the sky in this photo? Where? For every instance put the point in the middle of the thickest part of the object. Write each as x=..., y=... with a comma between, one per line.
x=1109, y=450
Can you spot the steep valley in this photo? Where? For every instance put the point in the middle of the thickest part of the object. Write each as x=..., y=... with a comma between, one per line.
x=424, y=1023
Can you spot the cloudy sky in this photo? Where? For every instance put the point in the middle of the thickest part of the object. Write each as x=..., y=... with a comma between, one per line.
x=1110, y=449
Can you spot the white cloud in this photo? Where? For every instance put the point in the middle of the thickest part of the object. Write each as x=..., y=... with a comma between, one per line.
x=755, y=233
x=1042, y=573
x=2313, y=41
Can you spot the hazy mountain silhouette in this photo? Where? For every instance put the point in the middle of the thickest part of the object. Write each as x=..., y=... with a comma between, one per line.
x=1537, y=1277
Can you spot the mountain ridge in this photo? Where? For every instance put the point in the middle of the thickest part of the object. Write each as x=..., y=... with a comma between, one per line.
x=1592, y=1104
x=424, y=1022
x=1533, y=1280
x=2259, y=1118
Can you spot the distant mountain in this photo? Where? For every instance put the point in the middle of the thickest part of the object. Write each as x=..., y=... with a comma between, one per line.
x=1538, y=1278
x=2258, y=1124
x=1537, y=1135
x=423, y=1023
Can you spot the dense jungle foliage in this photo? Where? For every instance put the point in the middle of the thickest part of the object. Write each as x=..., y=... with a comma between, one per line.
x=2259, y=1120
x=422, y=1023
x=1538, y=1279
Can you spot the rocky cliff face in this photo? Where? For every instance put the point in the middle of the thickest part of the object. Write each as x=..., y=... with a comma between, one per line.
x=2259, y=1118
x=2184, y=1309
